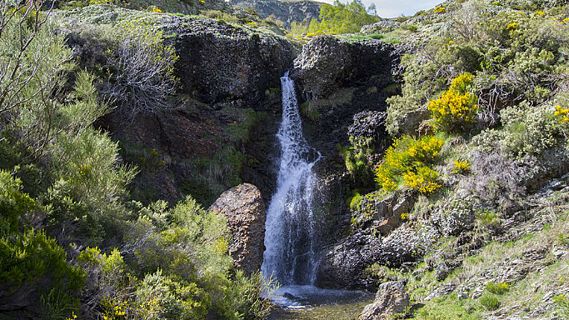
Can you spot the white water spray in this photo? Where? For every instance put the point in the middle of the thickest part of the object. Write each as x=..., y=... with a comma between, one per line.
x=290, y=235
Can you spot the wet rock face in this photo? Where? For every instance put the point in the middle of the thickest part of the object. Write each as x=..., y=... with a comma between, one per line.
x=219, y=62
x=343, y=265
x=338, y=79
x=245, y=211
x=340, y=82
x=391, y=298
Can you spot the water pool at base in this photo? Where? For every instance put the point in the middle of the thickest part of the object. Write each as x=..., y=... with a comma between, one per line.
x=302, y=302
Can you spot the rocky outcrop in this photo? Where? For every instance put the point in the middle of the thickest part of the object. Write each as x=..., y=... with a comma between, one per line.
x=385, y=214
x=344, y=266
x=245, y=211
x=383, y=26
x=229, y=87
x=391, y=299
x=328, y=63
x=220, y=63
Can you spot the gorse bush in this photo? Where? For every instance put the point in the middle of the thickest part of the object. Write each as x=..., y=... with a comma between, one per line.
x=457, y=107
x=562, y=114
x=407, y=162
x=461, y=166
x=30, y=260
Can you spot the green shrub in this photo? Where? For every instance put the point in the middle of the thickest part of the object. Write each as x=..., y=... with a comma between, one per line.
x=527, y=131
x=488, y=218
x=489, y=301
x=498, y=288
x=355, y=201
x=357, y=159
x=33, y=261
x=162, y=297
x=562, y=303
x=13, y=203
x=407, y=162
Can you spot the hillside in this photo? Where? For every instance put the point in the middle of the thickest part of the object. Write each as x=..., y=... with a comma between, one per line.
x=284, y=160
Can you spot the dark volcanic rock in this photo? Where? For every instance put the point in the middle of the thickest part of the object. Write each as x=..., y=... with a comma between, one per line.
x=369, y=124
x=220, y=62
x=344, y=265
x=327, y=63
x=338, y=79
x=202, y=144
x=245, y=211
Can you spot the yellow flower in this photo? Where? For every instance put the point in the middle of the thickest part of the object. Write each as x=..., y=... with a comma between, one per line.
x=440, y=9
x=562, y=114
x=461, y=166
x=512, y=26
x=155, y=9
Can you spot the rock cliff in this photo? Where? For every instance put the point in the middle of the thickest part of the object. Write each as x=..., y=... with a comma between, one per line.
x=203, y=143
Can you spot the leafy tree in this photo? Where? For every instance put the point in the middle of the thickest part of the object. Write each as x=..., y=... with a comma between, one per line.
x=338, y=18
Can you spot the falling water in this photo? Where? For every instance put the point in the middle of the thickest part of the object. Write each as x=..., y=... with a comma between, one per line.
x=290, y=236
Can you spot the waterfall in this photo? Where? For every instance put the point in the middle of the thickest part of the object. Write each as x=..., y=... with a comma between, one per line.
x=290, y=234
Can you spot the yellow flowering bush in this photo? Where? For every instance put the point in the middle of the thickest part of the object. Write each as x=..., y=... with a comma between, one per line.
x=461, y=166
x=513, y=26
x=440, y=9
x=155, y=9
x=407, y=162
x=424, y=179
x=456, y=107
x=562, y=114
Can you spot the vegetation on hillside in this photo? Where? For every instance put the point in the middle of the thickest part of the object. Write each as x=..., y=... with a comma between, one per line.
x=338, y=18
x=487, y=81
x=72, y=242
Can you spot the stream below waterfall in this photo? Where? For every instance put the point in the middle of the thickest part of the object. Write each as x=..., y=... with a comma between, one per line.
x=291, y=230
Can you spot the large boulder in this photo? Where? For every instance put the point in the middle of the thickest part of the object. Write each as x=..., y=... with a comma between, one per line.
x=245, y=211
x=391, y=299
